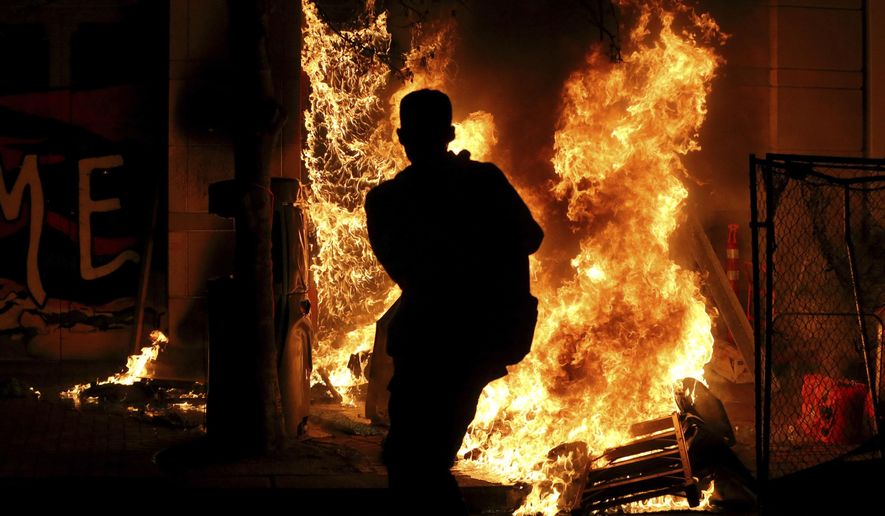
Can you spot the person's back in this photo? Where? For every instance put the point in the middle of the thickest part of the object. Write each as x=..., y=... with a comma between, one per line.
x=461, y=245
x=455, y=236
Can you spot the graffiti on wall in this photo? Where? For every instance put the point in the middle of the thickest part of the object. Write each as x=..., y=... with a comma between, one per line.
x=72, y=224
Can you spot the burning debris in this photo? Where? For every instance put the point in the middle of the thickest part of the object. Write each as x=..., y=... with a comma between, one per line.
x=136, y=369
x=648, y=466
x=180, y=404
x=675, y=455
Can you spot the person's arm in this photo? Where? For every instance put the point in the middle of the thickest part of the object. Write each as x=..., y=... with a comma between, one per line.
x=382, y=235
x=524, y=230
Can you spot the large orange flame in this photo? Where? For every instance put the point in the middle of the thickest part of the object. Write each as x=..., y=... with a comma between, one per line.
x=346, y=103
x=614, y=337
x=351, y=147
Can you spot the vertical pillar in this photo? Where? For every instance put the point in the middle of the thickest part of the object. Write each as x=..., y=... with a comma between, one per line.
x=875, y=78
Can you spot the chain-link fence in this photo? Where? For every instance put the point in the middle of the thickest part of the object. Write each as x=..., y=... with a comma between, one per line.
x=819, y=300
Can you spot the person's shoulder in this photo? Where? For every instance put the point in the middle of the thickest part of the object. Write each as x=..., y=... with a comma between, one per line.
x=389, y=186
x=383, y=187
x=486, y=171
x=388, y=189
x=488, y=168
x=465, y=161
x=380, y=192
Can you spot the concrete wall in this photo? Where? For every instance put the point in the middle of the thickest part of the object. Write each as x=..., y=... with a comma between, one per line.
x=83, y=84
x=876, y=77
x=200, y=153
x=738, y=113
x=792, y=82
x=817, y=77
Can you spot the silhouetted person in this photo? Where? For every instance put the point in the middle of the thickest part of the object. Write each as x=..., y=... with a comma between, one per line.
x=455, y=236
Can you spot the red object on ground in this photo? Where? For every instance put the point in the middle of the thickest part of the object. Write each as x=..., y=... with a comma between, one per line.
x=833, y=411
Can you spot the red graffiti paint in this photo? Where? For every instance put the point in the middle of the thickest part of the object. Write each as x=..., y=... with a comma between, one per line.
x=101, y=246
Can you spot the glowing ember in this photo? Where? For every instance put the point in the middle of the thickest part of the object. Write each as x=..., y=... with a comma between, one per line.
x=184, y=407
x=136, y=368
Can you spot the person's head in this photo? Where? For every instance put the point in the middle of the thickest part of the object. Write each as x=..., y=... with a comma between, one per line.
x=425, y=124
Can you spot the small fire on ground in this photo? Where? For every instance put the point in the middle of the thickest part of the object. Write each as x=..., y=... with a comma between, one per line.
x=134, y=391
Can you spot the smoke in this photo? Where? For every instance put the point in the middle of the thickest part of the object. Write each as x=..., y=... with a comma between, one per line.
x=512, y=59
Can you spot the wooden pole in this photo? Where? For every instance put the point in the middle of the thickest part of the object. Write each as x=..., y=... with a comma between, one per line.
x=258, y=119
x=723, y=295
x=144, y=277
